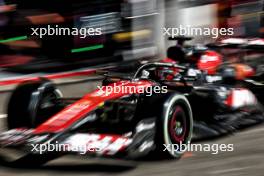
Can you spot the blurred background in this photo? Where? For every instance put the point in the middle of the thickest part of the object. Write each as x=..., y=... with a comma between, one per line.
x=132, y=32
x=132, y=29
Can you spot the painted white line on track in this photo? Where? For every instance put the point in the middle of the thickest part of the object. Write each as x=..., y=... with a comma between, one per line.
x=254, y=130
x=2, y=116
x=229, y=170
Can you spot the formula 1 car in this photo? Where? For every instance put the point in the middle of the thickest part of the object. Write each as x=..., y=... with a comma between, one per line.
x=209, y=60
x=244, y=64
x=239, y=72
x=132, y=123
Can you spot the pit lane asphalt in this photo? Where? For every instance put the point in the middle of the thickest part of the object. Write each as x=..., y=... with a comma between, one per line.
x=246, y=159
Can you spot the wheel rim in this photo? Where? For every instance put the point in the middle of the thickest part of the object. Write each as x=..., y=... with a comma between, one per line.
x=182, y=114
x=177, y=125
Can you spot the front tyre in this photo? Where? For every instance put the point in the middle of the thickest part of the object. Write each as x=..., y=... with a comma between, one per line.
x=176, y=126
x=172, y=115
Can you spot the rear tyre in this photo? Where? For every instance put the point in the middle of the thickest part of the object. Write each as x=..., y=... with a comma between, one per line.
x=31, y=104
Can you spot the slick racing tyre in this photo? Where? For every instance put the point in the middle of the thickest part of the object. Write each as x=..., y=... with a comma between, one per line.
x=173, y=124
x=32, y=103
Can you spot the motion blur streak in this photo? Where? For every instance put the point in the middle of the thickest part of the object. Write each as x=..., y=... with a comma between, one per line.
x=13, y=39
x=46, y=18
x=87, y=48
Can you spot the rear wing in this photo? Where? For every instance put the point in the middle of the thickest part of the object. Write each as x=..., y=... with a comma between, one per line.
x=239, y=43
